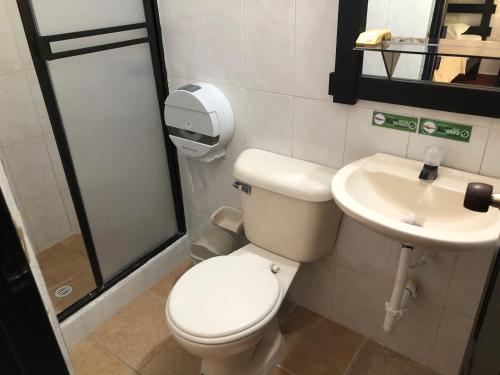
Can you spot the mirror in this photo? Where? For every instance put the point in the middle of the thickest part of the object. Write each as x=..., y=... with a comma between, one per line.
x=451, y=42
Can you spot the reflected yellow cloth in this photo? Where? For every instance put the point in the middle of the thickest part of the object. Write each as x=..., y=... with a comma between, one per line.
x=450, y=68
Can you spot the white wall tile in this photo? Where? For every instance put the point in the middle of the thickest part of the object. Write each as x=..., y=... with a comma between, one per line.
x=316, y=21
x=176, y=82
x=270, y=122
x=182, y=38
x=159, y=266
x=491, y=161
x=9, y=58
x=73, y=330
x=18, y=30
x=313, y=287
x=112, y=301
x=364, y=140
x=55, y=159
x=468, y=281
x=31, y=168
x=451, y=343
x=415, y=334
x=358, y=302
x=238, y=99
x=19, y=119
x=460, y=155
x=319, y=131
x=225, y=193
x=222, y=36
x=363, y=251
x=198, y=222
x=48, y=220
x=36, y=94
x=454, y=117
x=269, y=43
x=70, y=211
x=434, y=278
x=387, y=107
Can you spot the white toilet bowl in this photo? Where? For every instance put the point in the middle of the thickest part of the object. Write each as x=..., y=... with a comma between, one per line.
x=223, y=310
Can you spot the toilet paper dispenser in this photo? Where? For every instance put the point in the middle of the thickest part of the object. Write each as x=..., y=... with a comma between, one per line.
x=200, y=121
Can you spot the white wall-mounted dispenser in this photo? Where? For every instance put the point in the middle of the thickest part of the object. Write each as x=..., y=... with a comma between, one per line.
x=200, y=121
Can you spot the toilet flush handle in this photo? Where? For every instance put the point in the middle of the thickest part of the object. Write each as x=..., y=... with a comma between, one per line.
x=243, y=187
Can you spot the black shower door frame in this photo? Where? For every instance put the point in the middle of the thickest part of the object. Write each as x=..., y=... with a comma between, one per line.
x=41, y=53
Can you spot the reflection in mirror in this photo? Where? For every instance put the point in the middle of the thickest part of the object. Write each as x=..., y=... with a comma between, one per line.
x=454, y=42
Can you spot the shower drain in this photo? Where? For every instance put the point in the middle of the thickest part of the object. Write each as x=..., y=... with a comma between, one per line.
x=63, y=291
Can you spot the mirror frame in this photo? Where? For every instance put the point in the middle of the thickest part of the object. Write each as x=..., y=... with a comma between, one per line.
x=347, y=84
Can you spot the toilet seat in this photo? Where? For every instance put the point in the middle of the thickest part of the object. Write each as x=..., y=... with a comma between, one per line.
x=224, y=299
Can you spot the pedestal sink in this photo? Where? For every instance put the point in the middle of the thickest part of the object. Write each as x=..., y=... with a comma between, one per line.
x=384, y=193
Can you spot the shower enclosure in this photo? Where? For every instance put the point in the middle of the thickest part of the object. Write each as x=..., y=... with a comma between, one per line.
x=101, y=71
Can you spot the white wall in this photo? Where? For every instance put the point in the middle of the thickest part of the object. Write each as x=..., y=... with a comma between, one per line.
x=27, y=146
x=272, y=60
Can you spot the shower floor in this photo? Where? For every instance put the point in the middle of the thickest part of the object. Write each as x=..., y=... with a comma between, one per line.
x=66, y=264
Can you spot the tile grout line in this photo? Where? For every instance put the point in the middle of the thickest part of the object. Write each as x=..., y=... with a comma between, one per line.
x=244, y=36
x=436, y=337
x=153, y=294
x=288, y=314
x=483, y=155
x=102, y=346
x=355, y=356
x=285, y=369
x=248, y=88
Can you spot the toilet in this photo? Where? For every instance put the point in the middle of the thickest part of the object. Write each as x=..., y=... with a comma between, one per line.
x=223, y=310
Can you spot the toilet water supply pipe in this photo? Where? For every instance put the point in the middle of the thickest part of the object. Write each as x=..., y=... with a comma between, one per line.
x=404, y=288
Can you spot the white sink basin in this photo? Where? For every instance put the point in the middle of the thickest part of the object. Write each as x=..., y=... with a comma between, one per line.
x=384, y=193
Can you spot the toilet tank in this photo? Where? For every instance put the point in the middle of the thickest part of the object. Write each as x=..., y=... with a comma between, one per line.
x=289, y=208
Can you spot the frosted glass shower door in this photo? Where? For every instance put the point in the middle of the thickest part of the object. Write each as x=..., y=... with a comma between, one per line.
x=110, y=113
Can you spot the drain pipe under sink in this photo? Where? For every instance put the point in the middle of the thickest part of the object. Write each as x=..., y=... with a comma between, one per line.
x=404, y=288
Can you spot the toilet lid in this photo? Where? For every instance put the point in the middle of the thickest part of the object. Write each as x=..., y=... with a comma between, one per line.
x=223, y=296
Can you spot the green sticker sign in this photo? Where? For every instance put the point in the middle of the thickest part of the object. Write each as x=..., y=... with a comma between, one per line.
x=443, y=129
x=398, y=122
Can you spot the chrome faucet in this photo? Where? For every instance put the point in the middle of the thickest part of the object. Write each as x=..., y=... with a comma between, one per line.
x=432, y=160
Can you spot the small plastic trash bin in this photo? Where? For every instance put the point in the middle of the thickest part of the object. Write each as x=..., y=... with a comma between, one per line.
x=213, y=242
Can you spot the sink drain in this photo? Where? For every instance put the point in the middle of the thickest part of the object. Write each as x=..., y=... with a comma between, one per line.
x=412, y=222
x=63, y=291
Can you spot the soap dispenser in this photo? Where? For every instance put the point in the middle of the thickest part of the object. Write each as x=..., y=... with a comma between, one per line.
x=432, y=160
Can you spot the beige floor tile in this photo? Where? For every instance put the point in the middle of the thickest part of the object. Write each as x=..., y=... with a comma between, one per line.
x=285, y=311
x=56, y=265
x=82, y=284
x=137, y=333
x=374, y=359
x=62, y=261
x=90, y=358
x=75, y=241
x=315, y=345
x=280, y=371
x=172, y=360
x=66, y=263
x=163, y=287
